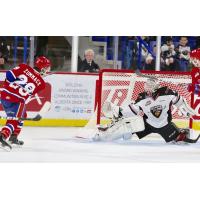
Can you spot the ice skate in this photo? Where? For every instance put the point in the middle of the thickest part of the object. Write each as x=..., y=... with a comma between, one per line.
x=14, y=140
x=4, y=144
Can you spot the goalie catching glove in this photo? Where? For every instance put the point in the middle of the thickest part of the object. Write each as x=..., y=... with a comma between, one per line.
x=184, y=108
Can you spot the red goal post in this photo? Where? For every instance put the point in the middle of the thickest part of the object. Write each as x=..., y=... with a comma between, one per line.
x=123, y=86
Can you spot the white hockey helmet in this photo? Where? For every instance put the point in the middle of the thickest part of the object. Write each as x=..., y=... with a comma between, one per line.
x=151, y=85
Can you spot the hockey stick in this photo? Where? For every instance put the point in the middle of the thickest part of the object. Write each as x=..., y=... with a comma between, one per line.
x=183, y=85
x=138, y=72
x=38, y=117
x=188, y=140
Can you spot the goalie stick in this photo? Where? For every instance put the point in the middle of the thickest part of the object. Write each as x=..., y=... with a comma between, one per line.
x=45, y=108
x=139, y=73
x=188, y=140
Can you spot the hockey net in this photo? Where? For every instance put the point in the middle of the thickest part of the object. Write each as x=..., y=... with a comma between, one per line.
x=122, y=87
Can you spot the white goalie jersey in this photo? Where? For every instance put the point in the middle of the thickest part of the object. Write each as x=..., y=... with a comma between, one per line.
x=157, y=107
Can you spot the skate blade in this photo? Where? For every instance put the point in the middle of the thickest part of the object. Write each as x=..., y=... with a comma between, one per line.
x=179, y=143
x=5, y=148
x=16, y=146
x=80, y=137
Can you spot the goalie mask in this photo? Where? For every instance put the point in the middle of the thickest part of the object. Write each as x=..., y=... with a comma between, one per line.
x=195, y=57
x=43, y=65
x=151, y=85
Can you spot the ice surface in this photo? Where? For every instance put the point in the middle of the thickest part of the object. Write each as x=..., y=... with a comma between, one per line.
x=54, y=144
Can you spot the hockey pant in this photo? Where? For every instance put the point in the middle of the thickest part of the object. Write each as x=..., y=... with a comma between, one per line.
x=13, y=109
x=169, y=132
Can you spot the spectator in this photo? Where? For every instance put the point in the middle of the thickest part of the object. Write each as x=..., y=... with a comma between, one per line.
x=150, y=61
x=4, y=53
x=168, y=55
x=144, y=52
x=182, y=52
x=88, y=64
x=41, y=46
x=197, y=42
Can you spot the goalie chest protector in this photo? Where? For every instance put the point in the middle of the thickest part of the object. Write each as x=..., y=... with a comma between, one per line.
x=157, y=107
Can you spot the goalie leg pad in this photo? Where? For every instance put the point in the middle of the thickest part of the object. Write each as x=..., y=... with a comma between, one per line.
x=135, y=124
x=122, y=129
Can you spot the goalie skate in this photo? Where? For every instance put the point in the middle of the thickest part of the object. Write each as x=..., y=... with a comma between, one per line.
x=107, y=126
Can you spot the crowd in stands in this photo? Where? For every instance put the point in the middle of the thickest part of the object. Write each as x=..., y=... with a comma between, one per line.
x=174, y=53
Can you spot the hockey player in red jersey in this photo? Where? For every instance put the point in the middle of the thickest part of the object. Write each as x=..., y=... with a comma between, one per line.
x=195, y=60
x=20, y=84
x=195, y=57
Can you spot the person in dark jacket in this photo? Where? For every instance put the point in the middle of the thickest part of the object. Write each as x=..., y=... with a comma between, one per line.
x=88, y=64
x=4, y=53
x=182, y=53
x=168, y=55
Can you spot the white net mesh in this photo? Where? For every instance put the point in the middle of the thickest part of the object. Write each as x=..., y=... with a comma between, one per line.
x=122, y=87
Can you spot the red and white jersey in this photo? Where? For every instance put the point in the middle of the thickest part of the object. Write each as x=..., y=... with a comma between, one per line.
x=27, y=82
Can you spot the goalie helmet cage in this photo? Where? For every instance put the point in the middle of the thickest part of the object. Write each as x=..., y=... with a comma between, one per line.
x=123, y=86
